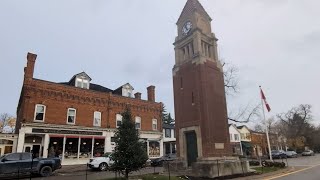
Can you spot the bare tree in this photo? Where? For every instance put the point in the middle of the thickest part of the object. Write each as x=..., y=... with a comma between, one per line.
x=7, y=120
x=246, y=114
x=231, y=81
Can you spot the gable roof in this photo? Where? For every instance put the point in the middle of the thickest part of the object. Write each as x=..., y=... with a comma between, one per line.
x=191, y=6
x=80, y=74
x=235, y=127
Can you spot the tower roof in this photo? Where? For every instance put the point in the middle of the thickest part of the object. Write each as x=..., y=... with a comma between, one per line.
x=194, y=5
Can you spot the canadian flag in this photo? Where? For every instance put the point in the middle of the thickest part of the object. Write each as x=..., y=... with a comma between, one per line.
x=263, y=97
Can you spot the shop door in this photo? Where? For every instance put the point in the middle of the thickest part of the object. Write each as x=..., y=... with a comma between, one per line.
x=36, y=150
x=7, y=149
x=192, y=148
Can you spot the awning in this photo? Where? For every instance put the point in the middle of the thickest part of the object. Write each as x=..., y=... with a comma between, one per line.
x=246, y=144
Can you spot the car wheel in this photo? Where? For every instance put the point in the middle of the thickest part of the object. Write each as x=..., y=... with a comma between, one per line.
x=46, y=171
x=103, y=166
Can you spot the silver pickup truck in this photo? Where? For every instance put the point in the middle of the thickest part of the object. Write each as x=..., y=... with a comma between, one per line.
x=16, y=164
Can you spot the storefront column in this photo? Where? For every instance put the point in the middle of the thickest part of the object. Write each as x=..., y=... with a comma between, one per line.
x=161, y=147
x=20, y=142
x=92, y=146
x=107, y=144
x=46, y=145
x=79, y=143
x=64, y=147
x=148, y=147
x=14, y=146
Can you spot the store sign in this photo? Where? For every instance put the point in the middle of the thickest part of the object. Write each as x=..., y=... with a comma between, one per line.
x=57, y=131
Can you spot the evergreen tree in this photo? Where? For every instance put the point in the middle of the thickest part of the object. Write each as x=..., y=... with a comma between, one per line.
x=129, y=154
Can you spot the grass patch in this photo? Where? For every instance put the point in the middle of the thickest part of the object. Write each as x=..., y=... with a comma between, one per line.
x=266, y=169
x=148, y=177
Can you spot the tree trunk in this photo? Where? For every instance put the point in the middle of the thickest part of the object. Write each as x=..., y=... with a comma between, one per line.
x=127, y=174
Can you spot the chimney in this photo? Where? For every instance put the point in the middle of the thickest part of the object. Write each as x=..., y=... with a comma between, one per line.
x=28, y=71
x=137, y=95
x=151, y=96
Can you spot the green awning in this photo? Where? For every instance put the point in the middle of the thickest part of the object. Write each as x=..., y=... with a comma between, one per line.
x=246, y=144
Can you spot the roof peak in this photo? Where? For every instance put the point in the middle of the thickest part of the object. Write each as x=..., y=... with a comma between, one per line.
x=193, y=5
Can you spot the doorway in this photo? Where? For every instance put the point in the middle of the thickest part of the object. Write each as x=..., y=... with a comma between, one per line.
x=192, y=147
x=36, y=150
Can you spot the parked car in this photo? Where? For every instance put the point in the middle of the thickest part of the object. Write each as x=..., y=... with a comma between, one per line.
x=159, y=161
x=308, y=153
x=13, y=164
x=278, y=154
x=291, y=154
x=102, y=163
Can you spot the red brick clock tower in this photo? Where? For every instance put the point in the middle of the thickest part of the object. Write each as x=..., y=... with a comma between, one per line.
x=199, y=94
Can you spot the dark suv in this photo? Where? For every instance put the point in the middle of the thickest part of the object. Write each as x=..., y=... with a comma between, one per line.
x=278, y=154
x=14, y=164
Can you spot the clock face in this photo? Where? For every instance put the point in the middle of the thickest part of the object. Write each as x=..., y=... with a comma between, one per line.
x=186, y=28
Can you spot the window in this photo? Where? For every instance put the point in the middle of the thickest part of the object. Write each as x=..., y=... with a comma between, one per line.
x=242, y=136
x=236, y=137
x=26, y=156
x=82, y=83
x=138, y=122
x=39, y=112
x=97, y=118
x=168, y=133
x=154, y=124
x=230, y=137
x=13, y=157
x=71, y=116
x=118, y=120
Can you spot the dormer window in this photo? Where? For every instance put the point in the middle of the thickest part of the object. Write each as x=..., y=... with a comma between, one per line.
x=82, y=83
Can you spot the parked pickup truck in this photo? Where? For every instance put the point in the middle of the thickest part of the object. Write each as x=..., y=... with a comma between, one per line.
x=14, y=164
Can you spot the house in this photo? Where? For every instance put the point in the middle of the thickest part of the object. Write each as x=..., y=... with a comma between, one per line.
x=169, y=139
x=76, y=120
x=259, y=144
x=235, y=141
x=245, y=138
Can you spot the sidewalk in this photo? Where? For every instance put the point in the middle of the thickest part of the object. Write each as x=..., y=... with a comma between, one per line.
x=72, y=168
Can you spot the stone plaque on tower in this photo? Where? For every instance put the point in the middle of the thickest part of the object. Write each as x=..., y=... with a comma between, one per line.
x=199, y=93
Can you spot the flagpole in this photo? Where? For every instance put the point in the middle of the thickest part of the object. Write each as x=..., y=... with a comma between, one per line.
x=267, y=133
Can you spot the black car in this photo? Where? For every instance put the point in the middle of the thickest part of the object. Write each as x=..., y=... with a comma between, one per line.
x=159, y=161
x=278, y=154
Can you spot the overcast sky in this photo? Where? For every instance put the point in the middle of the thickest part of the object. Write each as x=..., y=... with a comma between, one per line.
x=274, y=43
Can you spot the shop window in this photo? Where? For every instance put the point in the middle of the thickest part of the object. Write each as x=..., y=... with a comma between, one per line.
x=39, y=113
x=154, y=124
x=138, y=122
x=55, y=147
x=168, y=133
x=97, y=118
x=154, y=149
x=71, y=148
x=118, y=120
x=71, y=116
x=85, y=147
x=98, y=147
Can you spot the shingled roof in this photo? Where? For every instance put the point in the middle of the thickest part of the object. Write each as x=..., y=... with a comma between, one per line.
x=193, y=5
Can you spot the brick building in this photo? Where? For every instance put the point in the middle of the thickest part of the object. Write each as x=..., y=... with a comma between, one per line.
x=77, y=119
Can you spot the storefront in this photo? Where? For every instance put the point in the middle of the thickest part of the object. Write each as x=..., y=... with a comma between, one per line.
x=8, y=143
x=77, y=146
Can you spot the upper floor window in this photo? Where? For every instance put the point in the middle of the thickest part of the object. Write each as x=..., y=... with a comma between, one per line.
x=242, y=136
x=71, y=119
x=39, y=112
x=236, y=137
x=230, y=137
x=168, y=133
x=138, y=122
x=118, y=120
x=82, y=83
x=97, y=118
x=154, y=124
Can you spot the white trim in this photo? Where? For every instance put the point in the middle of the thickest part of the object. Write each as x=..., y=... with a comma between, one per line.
x=94, y=117
x=155, y=122
x=118, y=117
x=75, y=115
x=35, y=112
x=137, y=120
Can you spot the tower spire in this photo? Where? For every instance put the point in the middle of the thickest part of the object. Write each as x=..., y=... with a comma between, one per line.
x=192, y=6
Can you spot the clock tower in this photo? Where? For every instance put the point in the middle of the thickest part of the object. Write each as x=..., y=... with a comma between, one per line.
x=199, y=94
